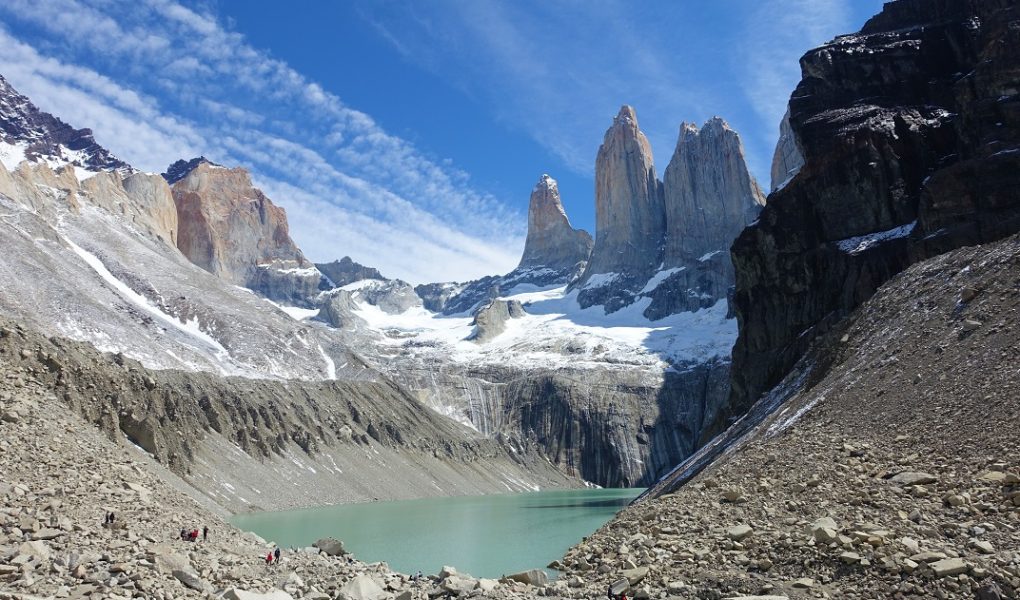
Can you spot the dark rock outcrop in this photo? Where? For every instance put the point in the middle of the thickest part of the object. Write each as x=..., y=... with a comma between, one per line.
x=551, y=241
x=910, y=133
x=231, y=229
x=45, y=136
x=344, y=271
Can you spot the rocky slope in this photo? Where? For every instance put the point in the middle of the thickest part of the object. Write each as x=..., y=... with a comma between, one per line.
x=909, y=132
x=890, y=472
x=59, y=483
x=231, y=229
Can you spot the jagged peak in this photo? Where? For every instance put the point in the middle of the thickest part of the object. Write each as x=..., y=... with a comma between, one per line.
x=626, y=116
x=546, y=182
x=180, y=169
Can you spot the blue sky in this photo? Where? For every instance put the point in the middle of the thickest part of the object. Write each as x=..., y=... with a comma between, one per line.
x=409, y=134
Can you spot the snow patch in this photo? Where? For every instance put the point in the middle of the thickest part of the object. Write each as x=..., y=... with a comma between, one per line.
x=190, y=328
x=600, y=280
x=858, y=244
x=658, y=278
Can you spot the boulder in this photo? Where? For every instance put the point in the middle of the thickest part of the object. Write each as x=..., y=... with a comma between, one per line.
x=331, y=546
x=238, y=594
x=913, y=478
x=635, y=575
x=739, y=532
x=191, y=579
x=362, y=587
x=536, y=577
x=948, y=567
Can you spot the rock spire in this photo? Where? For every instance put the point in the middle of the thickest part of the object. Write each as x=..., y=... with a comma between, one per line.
x=709, y=194
x=551, y=241
x=629, y=217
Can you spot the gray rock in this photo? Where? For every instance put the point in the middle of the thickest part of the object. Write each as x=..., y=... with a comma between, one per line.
x=739, y=532
x=238, y=594
x=191, y=579
x=709, y=194
x=331, y=546
x=490, y=320
x=362, y=587
x=552, y=242
x=536, y=577
x=629, y=215
x=787, y=159
x=913, y=478
x=947, y=567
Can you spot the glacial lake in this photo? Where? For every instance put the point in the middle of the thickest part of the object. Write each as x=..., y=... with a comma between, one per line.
x=486, y=536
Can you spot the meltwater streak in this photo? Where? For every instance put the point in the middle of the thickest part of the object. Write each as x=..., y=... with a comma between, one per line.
x=485, y=536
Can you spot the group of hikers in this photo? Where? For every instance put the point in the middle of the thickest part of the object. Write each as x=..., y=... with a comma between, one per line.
x=192, y=536
x=273, y=557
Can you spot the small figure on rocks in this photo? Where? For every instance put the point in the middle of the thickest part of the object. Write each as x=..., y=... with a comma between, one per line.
x=269, y=558
x=205, y=533
x=276, y=554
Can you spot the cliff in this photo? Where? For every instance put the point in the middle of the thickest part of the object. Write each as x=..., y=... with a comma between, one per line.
x=231, y=229
x=552, y=243
x=909, y=132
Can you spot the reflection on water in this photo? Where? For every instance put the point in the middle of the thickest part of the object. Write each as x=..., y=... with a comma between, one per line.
x=486, y=536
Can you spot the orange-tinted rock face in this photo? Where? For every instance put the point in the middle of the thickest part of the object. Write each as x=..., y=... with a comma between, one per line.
x=231, y=229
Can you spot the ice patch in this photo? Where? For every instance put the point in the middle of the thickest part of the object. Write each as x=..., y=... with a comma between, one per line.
x=709, y=255
x=858, y=244
x=330, y=365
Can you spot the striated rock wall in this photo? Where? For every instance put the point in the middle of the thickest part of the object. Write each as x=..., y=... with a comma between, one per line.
x=551, y=241
x=910, y=133
x=231, y=229
x=709, y=194
x=787, y=159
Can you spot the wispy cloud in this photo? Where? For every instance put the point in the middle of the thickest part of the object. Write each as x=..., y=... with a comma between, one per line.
x=776, y=33
x=349, y=186
x=558, y=71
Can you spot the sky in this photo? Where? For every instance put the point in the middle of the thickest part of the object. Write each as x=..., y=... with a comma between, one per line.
x=408, y=135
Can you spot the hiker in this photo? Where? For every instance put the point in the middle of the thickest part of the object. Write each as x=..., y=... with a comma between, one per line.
x=277, y=554
x=269, y=558
x=205, y=532
x=194, y=535
x=184, y=534
x=111, y=518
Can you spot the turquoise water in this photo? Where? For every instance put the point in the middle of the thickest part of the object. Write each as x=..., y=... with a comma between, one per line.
x=486, y=536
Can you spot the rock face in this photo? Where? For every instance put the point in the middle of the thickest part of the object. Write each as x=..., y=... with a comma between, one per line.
x=40, y=136
x=667, y=241
x=787, y=159
x=630, y=219
x=344, y=271
x=490, y=320
x=909, y=132
x=231, y=229
x=551, y=241
x=709, y=194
